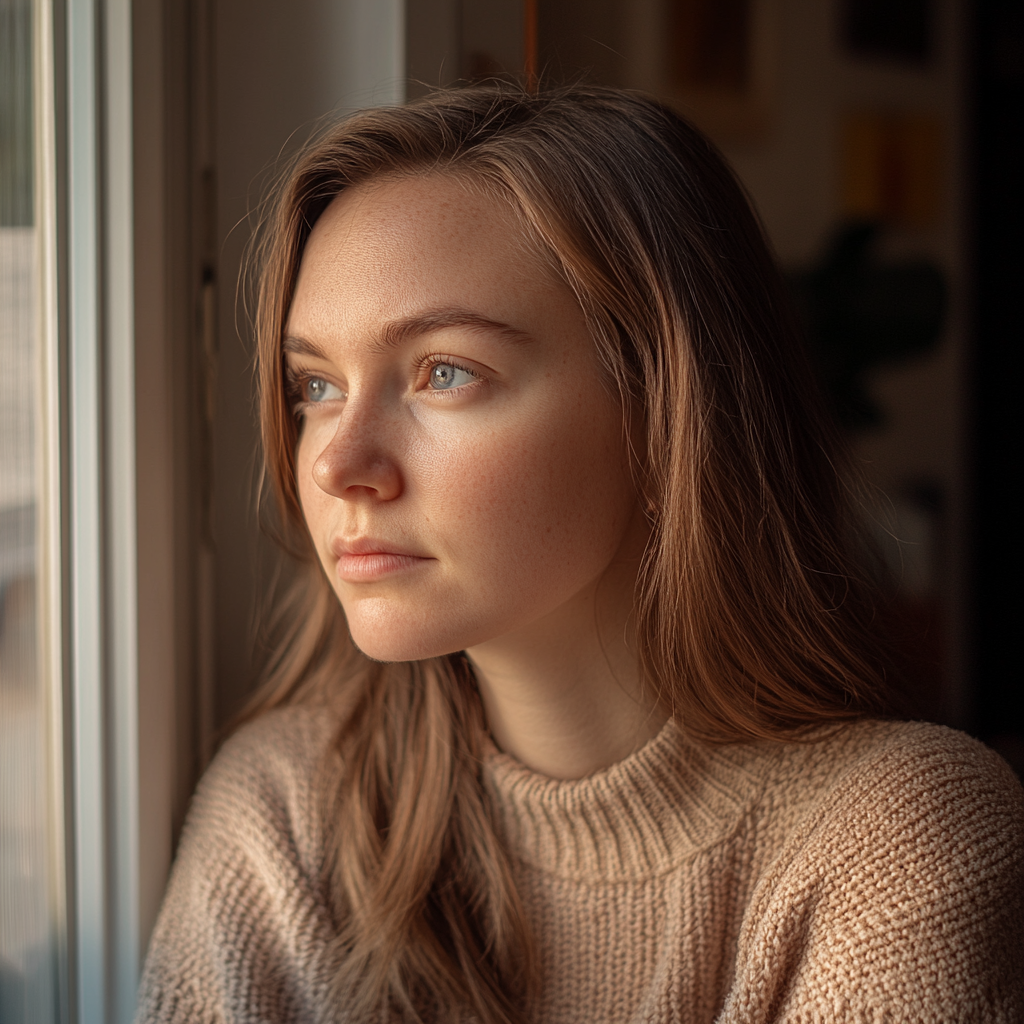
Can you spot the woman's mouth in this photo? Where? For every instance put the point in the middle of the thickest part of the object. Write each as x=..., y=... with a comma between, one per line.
x=365, y=560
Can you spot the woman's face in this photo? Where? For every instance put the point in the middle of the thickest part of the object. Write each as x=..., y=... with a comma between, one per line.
x=462, y=467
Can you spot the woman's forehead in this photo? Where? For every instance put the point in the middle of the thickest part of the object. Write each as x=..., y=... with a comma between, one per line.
x=397, y=210
x=439, y=209
x=415, y=239
x=389, y=250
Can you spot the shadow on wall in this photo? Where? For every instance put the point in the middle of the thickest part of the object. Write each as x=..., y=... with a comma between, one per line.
x=860, y=315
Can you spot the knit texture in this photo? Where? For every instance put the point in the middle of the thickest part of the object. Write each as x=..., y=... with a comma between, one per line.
x=875, y=874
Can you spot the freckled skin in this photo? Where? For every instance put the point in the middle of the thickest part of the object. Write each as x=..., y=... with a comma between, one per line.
x=520, y=488
x=515, y=487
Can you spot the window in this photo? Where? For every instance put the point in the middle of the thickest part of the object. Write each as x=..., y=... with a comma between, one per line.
x=31, y=860
x=69, y=791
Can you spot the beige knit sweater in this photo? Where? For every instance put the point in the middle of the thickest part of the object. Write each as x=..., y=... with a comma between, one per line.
x=873, y=876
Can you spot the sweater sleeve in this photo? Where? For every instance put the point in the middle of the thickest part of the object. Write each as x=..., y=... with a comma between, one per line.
x=900, y=900
x=243, y=932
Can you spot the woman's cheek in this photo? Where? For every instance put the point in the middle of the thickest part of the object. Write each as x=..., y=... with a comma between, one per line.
x=537, y=506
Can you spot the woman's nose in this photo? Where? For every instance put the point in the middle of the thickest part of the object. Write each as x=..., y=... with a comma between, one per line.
x=355, y=463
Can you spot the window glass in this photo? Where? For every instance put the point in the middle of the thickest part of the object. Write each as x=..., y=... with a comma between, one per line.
x=26, y=948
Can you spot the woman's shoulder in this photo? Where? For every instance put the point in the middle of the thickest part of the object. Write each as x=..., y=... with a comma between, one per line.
x=245, y=917
x=900, y=878
x=917, y=763
x=900, y=786
x=264, y=785
x=285, y=743
x=917, y=768
x=945, y=801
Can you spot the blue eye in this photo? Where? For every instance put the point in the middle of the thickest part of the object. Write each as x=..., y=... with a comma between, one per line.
x=444, y=377
x=319, y=390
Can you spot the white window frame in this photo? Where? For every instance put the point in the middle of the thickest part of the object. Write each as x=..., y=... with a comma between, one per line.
x=104, y=926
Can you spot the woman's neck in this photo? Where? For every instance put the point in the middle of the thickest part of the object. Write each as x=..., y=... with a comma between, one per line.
x=564, y=696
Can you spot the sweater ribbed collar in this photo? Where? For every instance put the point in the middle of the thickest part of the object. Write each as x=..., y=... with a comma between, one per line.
x=640, y=817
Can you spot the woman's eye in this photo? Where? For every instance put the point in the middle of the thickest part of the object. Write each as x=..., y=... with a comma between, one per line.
x=319, y=390
x=445, y=376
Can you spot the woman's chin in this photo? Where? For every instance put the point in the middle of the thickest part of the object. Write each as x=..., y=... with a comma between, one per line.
x=405, y=647
x=393, y=631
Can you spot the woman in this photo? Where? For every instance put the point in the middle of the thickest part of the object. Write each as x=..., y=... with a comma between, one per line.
x=580, y=712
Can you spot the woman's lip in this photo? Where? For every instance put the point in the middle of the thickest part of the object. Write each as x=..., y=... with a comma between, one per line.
x=365, y=559
x=375, y=565
x=368, y=546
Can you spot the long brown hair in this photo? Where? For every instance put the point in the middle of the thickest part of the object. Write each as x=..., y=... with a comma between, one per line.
x=754, y=616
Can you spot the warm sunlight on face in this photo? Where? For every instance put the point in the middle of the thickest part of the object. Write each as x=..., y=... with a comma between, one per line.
x=462, y=467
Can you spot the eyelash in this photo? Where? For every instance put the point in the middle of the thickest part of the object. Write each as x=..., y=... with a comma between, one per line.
x=294, y=389
x=295, y=381
x=428, y=362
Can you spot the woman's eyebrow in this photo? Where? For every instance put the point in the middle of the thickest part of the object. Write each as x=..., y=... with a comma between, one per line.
x=398, y=331
x=294, y=345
